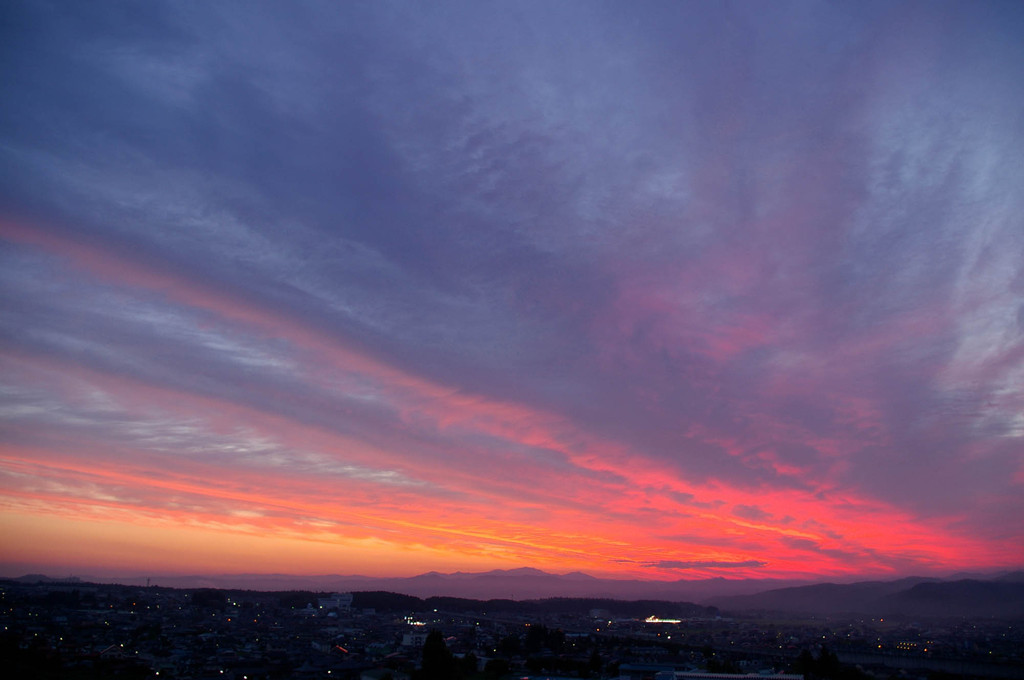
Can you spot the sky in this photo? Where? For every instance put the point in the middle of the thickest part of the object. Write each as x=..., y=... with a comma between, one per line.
x=649, y=290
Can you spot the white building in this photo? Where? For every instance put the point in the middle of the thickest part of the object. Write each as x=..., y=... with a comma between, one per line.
x=336, y=601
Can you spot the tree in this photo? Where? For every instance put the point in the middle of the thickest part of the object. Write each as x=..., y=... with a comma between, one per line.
x=438, y=661
x=210, y=598
x=594, y=664
x=540, y=637
x=508, y=646
x=804, y=663
x=496, y=668
x=536, y=635
x=825, y=666
x=468, y=664
x=828, y=663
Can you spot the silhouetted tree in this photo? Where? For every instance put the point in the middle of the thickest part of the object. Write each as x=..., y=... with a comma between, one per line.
x=540, y=637
x=804, y=663
x=825, y=667
x=468, y=664
x=210, y=598
x=438, y=661
x=828, y=665
x=595, y=663
x=296, y=599
x=535, y=636
x=496, y=668
x=555, y=640
x=508, y=646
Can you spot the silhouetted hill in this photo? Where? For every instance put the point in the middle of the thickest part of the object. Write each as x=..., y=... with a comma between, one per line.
x=386, y=602
x=967, y=598
x=527, y=583
x=821, y=598
x=911, y=596
x=395, y=602
x=41, y=578
x=999, y=595
x=1012, y=577
x=512, y=584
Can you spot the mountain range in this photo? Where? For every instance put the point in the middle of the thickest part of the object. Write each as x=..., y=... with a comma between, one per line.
x=999, y=597
x=515, y=584
x=961, y=595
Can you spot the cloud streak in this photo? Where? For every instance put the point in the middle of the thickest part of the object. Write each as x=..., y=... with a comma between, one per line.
x=531, y=285
x=706, y=564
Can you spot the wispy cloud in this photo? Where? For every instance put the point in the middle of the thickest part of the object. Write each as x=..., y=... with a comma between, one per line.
x=706, y=564
x=548, y=285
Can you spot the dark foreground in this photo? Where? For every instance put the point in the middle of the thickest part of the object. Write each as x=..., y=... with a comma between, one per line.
x=79, y=630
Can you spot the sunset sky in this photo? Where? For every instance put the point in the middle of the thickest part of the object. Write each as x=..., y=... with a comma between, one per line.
x=650, y=290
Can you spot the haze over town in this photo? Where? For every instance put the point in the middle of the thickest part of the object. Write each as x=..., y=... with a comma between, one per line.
x=648, y=291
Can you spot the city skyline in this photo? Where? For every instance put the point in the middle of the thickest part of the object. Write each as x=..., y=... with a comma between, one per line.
x=647, y=291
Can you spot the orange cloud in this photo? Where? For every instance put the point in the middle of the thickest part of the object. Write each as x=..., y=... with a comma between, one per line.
x=542, y=491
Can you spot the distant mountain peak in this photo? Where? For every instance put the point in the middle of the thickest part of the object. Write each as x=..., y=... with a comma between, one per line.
x=42, y=578
x=520, y=571
x=1012, y=577
x=579, y=576
x=516, y=572
x=494, y=573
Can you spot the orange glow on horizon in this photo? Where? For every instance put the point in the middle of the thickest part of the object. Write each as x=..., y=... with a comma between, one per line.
x=406, y=502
